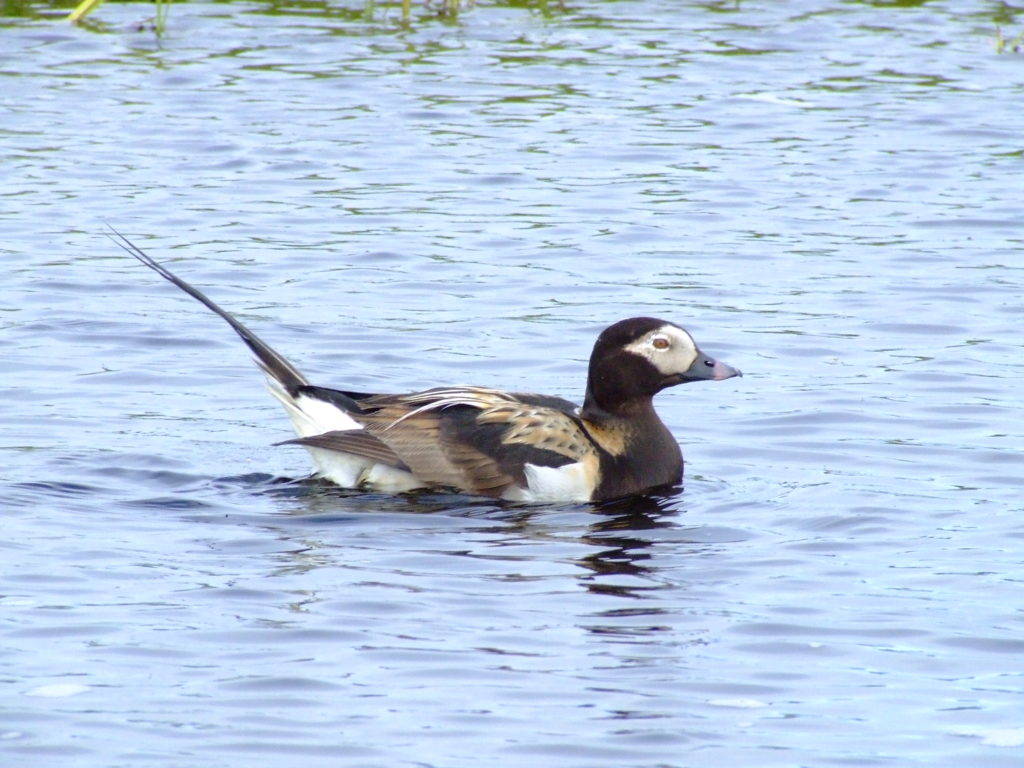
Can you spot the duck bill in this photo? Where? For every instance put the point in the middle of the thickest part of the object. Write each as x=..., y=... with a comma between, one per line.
x=706, y=368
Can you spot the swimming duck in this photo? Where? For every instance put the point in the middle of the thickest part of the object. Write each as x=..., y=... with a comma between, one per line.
x=515, y=446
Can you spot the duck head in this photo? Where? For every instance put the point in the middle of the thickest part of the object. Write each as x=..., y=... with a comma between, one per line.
x=634, y=359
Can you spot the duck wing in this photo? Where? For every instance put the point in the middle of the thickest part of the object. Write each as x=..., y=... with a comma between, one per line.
x=484, y=441
x=355, y=442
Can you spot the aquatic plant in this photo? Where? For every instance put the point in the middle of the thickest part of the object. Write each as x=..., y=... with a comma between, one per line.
x=443, y=8
x=1008, y=45
x=85, y=7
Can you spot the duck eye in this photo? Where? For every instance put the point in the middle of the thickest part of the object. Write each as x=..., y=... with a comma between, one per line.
x=660, y=342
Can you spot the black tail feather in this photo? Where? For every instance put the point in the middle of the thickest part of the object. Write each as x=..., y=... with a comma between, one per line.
x=270, y=361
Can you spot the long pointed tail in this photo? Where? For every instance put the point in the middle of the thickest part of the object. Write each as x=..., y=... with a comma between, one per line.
x=275, y=366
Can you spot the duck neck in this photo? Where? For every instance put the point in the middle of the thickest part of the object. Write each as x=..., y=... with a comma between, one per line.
x=596, y=410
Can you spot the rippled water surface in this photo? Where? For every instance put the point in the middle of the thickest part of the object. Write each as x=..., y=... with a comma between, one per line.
x=828, y=195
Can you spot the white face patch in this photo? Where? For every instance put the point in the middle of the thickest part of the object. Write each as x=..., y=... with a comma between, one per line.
x=670, y=349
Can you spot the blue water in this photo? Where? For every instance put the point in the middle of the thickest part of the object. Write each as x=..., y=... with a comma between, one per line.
x=827, y=195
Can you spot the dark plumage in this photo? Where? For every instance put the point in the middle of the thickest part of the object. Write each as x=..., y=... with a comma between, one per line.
x=516, y=446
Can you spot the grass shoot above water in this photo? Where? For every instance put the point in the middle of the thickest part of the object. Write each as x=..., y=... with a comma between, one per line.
x=1008, y=44
x=86, y=7
x=444, y=8
x=450, y=9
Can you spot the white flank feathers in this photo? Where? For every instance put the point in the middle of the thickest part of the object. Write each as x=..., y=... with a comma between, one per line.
x=349, y=471
x=553, y=484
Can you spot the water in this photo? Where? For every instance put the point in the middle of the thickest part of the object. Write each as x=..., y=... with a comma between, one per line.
x=827, y=195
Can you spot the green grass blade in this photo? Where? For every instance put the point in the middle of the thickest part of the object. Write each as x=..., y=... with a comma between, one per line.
x=83, y=9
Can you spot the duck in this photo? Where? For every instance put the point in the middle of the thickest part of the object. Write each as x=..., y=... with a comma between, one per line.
x=519, y=447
